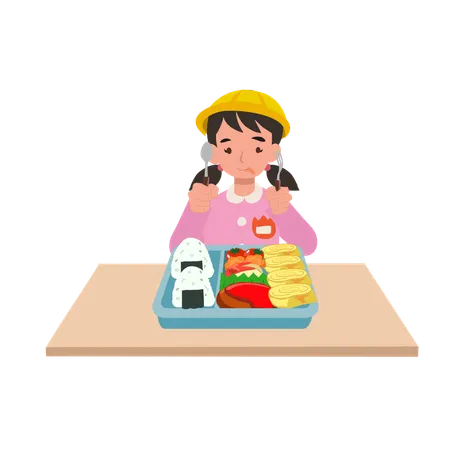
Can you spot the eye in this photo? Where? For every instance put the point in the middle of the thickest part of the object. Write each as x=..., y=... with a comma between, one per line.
x=259, y=149
x=228, y=150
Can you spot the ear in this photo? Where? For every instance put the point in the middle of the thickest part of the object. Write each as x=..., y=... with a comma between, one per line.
x=215, y=157
x=274, y=149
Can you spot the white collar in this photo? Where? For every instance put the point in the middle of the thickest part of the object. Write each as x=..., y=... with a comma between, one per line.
x=254, y=197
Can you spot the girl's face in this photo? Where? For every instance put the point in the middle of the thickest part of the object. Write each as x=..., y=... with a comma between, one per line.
x=243, y=155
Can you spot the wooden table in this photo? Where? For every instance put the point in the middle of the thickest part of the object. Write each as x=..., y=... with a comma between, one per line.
x=113, y=317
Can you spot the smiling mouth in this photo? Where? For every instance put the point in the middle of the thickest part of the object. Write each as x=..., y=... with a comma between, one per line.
x=248, y=170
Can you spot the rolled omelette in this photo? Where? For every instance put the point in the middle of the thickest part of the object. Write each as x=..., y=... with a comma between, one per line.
x=288, y=276
x=284, y=262
x=280, y=250
x=291, y=295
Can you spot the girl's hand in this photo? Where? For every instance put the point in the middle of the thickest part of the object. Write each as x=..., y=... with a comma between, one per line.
x=200, y=197
x=279, y=200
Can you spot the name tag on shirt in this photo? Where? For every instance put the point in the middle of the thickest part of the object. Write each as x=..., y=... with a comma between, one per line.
x=263, y=228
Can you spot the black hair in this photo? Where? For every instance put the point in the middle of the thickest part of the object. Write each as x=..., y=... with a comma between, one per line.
x=250, y=120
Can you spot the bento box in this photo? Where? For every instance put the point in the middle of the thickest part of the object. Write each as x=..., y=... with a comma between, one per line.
x=211, y=317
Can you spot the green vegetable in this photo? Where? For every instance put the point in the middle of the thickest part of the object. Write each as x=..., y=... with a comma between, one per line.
x=233, y=279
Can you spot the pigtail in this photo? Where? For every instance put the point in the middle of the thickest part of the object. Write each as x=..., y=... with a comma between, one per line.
x=286, y=179
x=214, y=175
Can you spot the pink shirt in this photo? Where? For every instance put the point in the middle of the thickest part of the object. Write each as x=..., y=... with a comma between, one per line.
x=233, y=220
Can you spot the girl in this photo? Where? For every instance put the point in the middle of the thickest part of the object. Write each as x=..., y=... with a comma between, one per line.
x=245, y=127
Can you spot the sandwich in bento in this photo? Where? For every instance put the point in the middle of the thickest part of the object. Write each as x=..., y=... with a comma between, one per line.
x=288, y=276
x=281, y=250
x=284, y=262
x=291, y=295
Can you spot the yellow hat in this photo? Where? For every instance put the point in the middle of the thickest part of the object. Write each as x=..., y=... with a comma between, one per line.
x=245, y=101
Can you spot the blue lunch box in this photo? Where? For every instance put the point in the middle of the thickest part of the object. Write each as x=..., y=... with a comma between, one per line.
x=216, y=317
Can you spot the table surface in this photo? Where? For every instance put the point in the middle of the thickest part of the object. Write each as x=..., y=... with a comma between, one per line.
x=113, y=317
